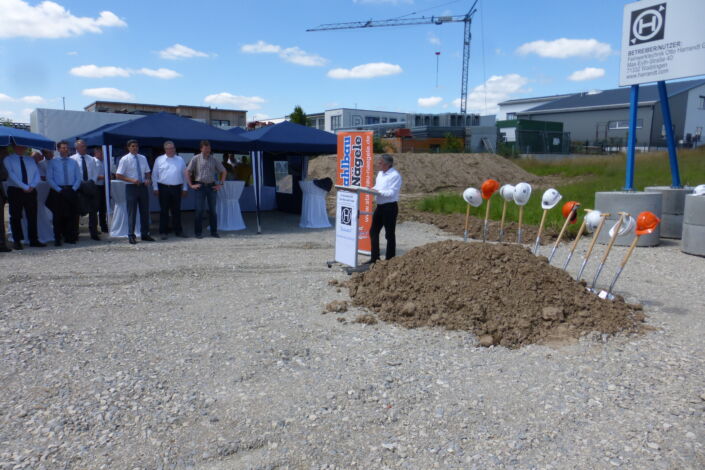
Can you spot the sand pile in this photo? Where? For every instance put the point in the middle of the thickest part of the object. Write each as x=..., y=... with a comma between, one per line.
x=501, y=293
x=432, y=172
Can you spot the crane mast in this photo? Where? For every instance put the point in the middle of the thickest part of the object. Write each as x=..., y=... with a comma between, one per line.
x=437, y=20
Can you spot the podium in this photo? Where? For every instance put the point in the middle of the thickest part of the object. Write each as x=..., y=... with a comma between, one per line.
x=347, y=210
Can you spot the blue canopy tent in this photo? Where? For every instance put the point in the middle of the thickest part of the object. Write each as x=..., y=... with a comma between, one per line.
x=12, y=136
x=290, y=143
x=236, y=130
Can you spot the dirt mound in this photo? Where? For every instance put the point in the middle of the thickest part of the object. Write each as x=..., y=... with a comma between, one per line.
x=432, y=172
x=502, y=293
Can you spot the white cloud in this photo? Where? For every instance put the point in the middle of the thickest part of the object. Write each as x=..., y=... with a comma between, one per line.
x=72, y=53
x=295, y=54
x=5, y=98
x=94, y=71
x=433, y=39
x=588, y=73
x=108, y=94
x=164, y=74
x=49, y=20
x=563, y=48
x=179, y=51
x=6, y=113
x=32, y=99
x=429, y=102
x=497, y=88
x=371, y=70
x=240, y=102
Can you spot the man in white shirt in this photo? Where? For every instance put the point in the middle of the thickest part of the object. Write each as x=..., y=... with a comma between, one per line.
x=22, y=181
x=88, y=191
x=133, y=168
x=169, y=185
x=387, y=186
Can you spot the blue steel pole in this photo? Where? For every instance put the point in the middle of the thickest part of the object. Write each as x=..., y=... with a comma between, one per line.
x=631, y=141
x=670, y=140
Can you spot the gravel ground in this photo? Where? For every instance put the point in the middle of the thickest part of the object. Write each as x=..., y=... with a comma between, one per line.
x=214, y=354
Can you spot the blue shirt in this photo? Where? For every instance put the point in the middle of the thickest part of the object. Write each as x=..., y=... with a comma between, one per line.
x=56, y=176
x=14, y=172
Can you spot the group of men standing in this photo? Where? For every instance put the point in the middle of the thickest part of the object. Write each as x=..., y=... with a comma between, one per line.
x=77, y=188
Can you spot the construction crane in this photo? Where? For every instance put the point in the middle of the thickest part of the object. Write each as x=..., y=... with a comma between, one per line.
x=437, y=20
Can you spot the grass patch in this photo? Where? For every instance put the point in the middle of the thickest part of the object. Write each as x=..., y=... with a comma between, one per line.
x=590, y=174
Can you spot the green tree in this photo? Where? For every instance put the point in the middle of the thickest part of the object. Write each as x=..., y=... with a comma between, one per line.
x=452, y=144
x=378, y=145
x=298, y=116
x=7, y=122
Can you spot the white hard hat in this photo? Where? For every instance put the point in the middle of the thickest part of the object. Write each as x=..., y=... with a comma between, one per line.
x=626, y=227
x=699, y=190
x=507, y=192
x=473, y=197
x=550, y=198
x=592, y=220
x=522, y=193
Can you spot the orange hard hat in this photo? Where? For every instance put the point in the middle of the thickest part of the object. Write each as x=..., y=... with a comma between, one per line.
x=646, y=223
x=570, y=209
x=489, y=187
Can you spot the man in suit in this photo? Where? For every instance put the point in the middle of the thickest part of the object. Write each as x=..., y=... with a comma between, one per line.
x=64, y=178
x=22, y=181
x=134, y=170
x=88, y=191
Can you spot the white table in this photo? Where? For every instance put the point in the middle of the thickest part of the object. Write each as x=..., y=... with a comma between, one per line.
x=313, y=207
x=45, y=229
x=228, y=206
x=119, y=222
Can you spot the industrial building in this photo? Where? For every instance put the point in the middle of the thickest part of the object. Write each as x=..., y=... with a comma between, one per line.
x=223, y=118
x=601, y=118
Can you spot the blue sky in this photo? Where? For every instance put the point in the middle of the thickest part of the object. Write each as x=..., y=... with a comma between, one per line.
x=257, y=55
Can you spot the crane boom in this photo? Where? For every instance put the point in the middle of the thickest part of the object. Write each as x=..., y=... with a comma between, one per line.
x=437, y=20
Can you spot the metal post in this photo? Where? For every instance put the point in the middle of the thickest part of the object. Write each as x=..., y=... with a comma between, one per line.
x=631, y=143
x=670, y=140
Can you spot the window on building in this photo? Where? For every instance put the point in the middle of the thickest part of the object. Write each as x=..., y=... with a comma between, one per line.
x=371, y=120
x=392, y=119
x=701, y=102
x=335, y=122
x=220, y=122
x=624, y=124
x=436, y=121
x=384, y=120
x=511, y=116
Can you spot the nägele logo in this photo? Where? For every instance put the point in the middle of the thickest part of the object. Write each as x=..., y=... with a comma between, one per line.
x=648, y=24
x=351, y=172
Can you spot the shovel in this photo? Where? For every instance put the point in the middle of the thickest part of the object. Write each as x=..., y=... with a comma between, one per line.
x=565, y=225
x=621, y=265
x=592, y=245
x=521, y=216
x=581, y=230
x=613, y=238
x=467, y=217
x=501, y=224
x=487, y=216
x=538, y=237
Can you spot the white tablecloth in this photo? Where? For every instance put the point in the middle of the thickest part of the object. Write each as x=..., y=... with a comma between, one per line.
x=45, y=230
x=118, y=221
x=228, y=206
x=313, y=208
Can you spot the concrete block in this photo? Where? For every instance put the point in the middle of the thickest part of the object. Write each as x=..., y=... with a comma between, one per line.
x=693, y=241
x=671, y=226
x=672, y=200
x=633, y=203
x=694, y=213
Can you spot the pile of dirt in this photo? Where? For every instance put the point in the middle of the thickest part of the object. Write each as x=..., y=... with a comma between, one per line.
x=433, y=172
x=501, y=293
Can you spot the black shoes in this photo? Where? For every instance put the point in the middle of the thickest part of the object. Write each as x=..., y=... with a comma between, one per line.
x=199, y=235
x=95, y=237
x=4, y=248
x=17, y=246
x=37, y=244
x=132, y=239
x=147, y=238
x=182, y=235
x=215, y=235
x=57, y=243
x=164, y=236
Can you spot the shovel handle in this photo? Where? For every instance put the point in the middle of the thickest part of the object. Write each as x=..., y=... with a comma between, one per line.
x=577, y=237
x=467, y=216
x=612, y=239
x=565, y=225
x=504, y=213
x=629, y=252
x=594, y=237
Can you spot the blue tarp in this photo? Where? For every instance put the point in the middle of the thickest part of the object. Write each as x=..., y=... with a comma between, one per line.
x=153, y=130
x=10, y=136
x=287, y=137
x=236, y=130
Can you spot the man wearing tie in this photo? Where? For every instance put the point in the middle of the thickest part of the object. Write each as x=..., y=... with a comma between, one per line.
x=134, y=170
x=88, y=192
x=64, y=177
x=169, y=185
x=22, y=180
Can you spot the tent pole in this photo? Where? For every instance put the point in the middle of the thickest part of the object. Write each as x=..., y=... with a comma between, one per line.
x=255, y=182
x=107, y=155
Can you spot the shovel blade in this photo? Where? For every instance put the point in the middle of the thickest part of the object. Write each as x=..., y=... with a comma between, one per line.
x=614, y=279
x=553, y=252
x=582, y=268
x=465, y=236
x=501, y=235
x=597, y=275
x=567, y=260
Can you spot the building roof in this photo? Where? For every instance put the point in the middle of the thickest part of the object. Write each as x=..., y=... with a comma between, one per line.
x=614, y=98
x=534, y=99
x=123, y=103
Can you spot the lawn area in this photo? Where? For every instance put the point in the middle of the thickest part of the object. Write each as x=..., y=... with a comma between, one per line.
x=583, y=177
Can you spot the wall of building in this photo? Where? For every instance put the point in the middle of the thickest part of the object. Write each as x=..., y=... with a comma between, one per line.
x=695, y=113
x=350, y=118
x=225, y=118
x=58, y=124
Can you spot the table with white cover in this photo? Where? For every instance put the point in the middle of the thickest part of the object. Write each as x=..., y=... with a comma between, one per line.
x=118, y=220
x=313, y=207
x=228, y=206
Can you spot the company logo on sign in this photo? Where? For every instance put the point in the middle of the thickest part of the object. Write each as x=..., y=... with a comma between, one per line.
x=346, y=215
x=648, y=24
x=352, y=163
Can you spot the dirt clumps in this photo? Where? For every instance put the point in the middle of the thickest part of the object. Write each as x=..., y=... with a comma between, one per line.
x=502, y=293
x=337, y=306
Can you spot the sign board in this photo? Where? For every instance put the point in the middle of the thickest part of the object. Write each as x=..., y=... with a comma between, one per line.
x=346, y=228
x=662, y=40
x=355, y=168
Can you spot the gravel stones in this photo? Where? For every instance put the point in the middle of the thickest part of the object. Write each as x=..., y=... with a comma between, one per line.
x=502, y=293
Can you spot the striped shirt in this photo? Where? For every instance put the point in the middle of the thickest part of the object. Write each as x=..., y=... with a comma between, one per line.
x=205, y=169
